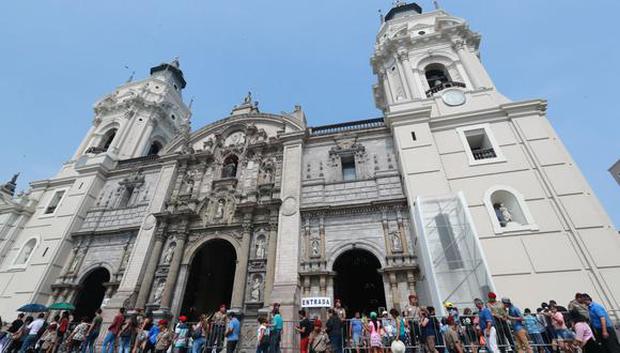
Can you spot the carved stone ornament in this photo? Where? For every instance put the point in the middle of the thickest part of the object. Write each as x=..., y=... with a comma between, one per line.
x=289, y=206
x=220, y=209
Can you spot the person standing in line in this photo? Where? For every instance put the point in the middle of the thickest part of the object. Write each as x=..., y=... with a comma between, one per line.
x=319, y=342
x=333, y=328
x=151, y=341
x=143, y=335
x=342, y=313
x=49, y=338
x=78, y=335
x=399, y=325
x=604, y=331
x=20, y=336
x=32, y=333
x=110, y=339
x=14, y=330
x=374, y=328
x=467, y=321
x=487, y=326
x=262, y=336
x=219, y=322
x=504, y=338
x=199, y=334
x=412, y=311
x=515, y=317
x=534, y=329
x=275, y=329
x=233, y=331
x=126, y=334
x=93, y=333
x=451, y=336
x=164, y=337
x=584, y=337
x=304, y=329
x=356, y=329
x=577, y=305
x=63, y=327
x=429, y=330
x=563, y=335
x=181, y=335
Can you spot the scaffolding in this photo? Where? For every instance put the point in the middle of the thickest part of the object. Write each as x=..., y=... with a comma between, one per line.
x=453, y=265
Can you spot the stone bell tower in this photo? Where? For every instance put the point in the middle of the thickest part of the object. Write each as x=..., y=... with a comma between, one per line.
x=477, y=167
x=140, y=117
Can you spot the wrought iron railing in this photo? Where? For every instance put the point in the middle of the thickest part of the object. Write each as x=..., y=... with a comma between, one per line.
x=440, y=87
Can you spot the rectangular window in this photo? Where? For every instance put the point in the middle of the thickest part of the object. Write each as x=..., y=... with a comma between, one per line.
x=480, y=144
x=51, y=207
x=348, y=168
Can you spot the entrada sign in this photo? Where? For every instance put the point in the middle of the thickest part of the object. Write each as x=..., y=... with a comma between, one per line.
x=316, y=302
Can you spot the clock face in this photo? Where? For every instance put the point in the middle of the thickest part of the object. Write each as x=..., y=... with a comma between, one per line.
x=453, y=97
x=235, y=138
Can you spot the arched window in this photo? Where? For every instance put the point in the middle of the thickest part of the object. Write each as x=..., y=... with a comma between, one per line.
x=229, y=169
x=107, y=139
x=436, y=75
x=508, y=210
x=26, y=251
x=154, y=149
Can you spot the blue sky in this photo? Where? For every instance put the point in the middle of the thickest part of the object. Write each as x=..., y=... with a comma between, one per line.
x=59, y=57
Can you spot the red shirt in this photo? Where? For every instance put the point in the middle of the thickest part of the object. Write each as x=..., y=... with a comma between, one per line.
x=64, y=324
x=116, y=324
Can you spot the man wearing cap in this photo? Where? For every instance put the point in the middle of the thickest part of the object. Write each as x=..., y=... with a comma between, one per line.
x=487, y=326
x=604, y=331
x=181, y=333
x=164, y=337
x=504, y=338
x=515, y=317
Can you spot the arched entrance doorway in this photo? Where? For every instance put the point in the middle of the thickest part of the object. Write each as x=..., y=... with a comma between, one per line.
x=91, y=293
x=211, y=278
x=358, y=283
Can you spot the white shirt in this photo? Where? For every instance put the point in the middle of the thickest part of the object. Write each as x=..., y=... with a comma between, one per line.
x=35, y=326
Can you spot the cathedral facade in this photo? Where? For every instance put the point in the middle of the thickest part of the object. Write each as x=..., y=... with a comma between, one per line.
x=456, y=190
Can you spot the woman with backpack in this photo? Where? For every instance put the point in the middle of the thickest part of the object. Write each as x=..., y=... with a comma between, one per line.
x=319, y=341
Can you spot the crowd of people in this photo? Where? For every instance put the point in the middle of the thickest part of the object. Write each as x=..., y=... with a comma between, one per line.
x=494, y=326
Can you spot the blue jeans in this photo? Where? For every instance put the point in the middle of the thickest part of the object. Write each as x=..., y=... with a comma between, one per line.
x=537, y=338
x=198, y=344
x=108, y=343
x=336, y=341
x=274, y=341
x=30, y=340
x=125, y=346
x=89, y=343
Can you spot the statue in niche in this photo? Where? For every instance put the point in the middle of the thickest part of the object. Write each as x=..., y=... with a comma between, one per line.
x=159, y=291
x=126, y=256
x=260, y=247
x=79, y=254
x=397, y=245
x=169, y=253
x=503, y=215
x=188, y=181
x=315, y=248
x=219, y=212
x=230, y=169
x=255, y=289
x=266, y=175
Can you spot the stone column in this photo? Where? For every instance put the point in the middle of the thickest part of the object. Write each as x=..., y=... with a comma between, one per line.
x=394, y=289
x=145, y=137
x=401, y=231
x=151, y=267
x=173, y=272
x=241, y=271
x=271, y=255
x=322, y=235
x=386, y=232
